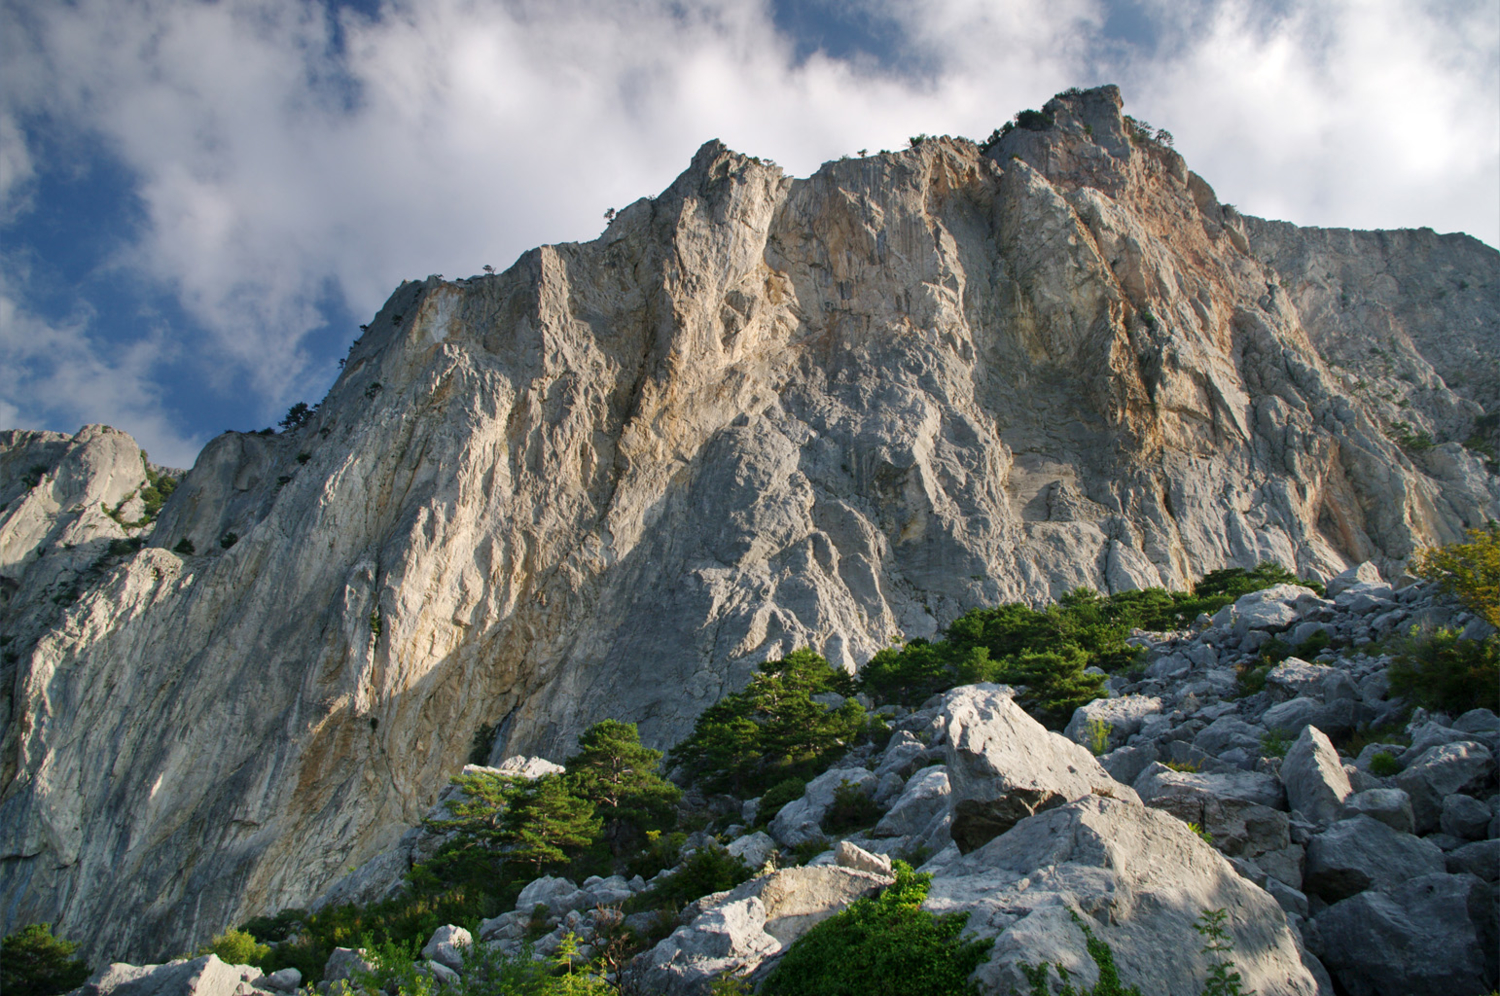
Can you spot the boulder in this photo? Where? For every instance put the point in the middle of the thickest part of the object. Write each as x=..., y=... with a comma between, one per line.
x=1004, y=766
x=754, y=849
x=1273, y=609
x=1125, y=764
x=344, y=964
x=743, y=929
x=559, y=895
x=447, y=946
x=848, y=855
x=1439, y=772
x=1390, y=806
x=900, y=755
x=1159, y=782
x=1227, y=733
x=1465, y=817
x=285, y=981
x=1365, y=573
x=202, y=976
x=1138, y=878
x=1122, y=716
x=1224, y=806
x=924, y=799
x=801, y=820
x=519, y=766
x=1294, y=677
x=1480, y=858
x=1314, y=777
x=1360, y=853
x=1433, y=935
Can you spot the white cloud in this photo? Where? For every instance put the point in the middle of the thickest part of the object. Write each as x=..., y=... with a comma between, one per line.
x=453, y=133
x=59, y=374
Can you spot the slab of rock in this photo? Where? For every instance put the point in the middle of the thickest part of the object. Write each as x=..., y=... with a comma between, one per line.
x=1225, y=806
x=1125, y=764
x=447, y=945
x=284, y=981
x=1314, y=777
x=1004, y=766
x=1439, y=772
x=344, y=964
x=1388, y=805
x=1365, y=573
x=1481, y=858
x=559, y=895
x=1159, y=781
x=900, y=755
x=1228, y=733
x=203, y=976
x=1360, y=853
x=754, y=849
x=741, y=930
x=925, y=798
x=848, y=855
x=1122, y=716
x=1139, y=878
x=1465, y=817
x=1433, y=935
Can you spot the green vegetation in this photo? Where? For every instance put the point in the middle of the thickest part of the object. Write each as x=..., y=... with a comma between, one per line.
x=1049, y=650
x=1223, y=978
x=1275, y=743
x=1438, y=670
x=185, y=547
x=154, y=495
x=851, y=810
x=1383, y=764
x=35, y=963
x=535, y=821
x=773, y=730
x=228, y=540
x=1409, y=439
x=34, y=475
x=1469, y=571
x=882, y=946
x=237, y=947
x=779, y=795
x=1098, y=733
x=618, y=776
x=707, y=870
x=297, y=416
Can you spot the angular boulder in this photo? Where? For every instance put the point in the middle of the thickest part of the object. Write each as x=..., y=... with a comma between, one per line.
x=1433, y=935
x=447, y=946
x=1390, y=806
x=1004, y=766
x=1358, y=854
x=1139, y=878
x=1122, y=718
x=744, y=929
x=801, y=820
x=925, y=798
x=1316, y=784
x=203, y=976
x=1439, y=772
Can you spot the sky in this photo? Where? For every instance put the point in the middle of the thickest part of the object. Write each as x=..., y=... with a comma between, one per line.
x=200, y=202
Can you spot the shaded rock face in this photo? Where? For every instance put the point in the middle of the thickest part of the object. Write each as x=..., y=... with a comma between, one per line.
x=756, y=413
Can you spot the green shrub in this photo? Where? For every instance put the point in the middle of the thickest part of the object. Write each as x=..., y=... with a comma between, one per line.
x=228, y=540
x=1438, y=670
x=185, y=547
x=1468, y=571
x=886, y=945
x=1098, y=733
x=1223, y=978
x=708, y=869
x=851, y=810
x=1275, y=743
x=297, y=416
x=778, y=795
x=35, y=963
x=773, y=730
x=237, y=947
x=1383, y=764
x=1034, y=120
x=662, y=850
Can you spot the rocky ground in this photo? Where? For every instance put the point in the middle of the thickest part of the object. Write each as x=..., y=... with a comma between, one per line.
x=1371, y=872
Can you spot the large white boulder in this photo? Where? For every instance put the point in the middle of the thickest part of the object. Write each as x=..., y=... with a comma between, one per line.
x=1316, y=784
x=1122, y=718
x=1139, y=879
x=1004, y=766
x=203, y=976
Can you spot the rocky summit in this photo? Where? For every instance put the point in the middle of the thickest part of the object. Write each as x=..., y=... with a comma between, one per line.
x=761, y=413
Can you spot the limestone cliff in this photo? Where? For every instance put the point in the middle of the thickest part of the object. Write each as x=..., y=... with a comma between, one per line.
x=756, y=413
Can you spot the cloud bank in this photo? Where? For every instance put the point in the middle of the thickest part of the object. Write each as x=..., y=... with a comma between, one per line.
x=288, y=163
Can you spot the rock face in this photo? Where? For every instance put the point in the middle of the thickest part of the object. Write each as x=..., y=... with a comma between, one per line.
x=756, y=413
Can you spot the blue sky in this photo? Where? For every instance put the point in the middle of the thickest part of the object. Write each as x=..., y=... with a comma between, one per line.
x=200, y=202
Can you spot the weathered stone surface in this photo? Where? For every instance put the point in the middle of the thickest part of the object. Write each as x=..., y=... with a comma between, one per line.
x=925, y=798
x=1465, y=817
x=344, y=964
x=1122, y=718
x=1390, y=806
x=1227, y=733
x=203, y=976
x=740, y=930
x=1362, y=573
x=285, y=981
x=446, y=946
x=1431, y=936
x=848, y=855
x=1360, y=853
x=754, y=849
x=1316, y=784
x=1139, y=878
x=1004, y=766
x=1481, y=858
x=1439, y=772
x=1158, y=782
x=756, y=413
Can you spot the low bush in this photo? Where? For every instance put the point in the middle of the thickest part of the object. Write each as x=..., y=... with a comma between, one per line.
x=1468, y=571
x=1383, y=764
x=885, y=945
x=35, y=963
x=778, y=795
x=851, y=810
x=1438, y=670
x=237, y=947
x=708, y=869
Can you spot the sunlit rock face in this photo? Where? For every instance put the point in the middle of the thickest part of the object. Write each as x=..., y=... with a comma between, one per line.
x=756, y=413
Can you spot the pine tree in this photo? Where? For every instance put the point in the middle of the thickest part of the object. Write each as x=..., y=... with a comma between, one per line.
x=544, y=818
x=619, y=776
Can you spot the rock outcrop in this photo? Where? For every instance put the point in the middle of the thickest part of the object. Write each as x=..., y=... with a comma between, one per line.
x=756, y=413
